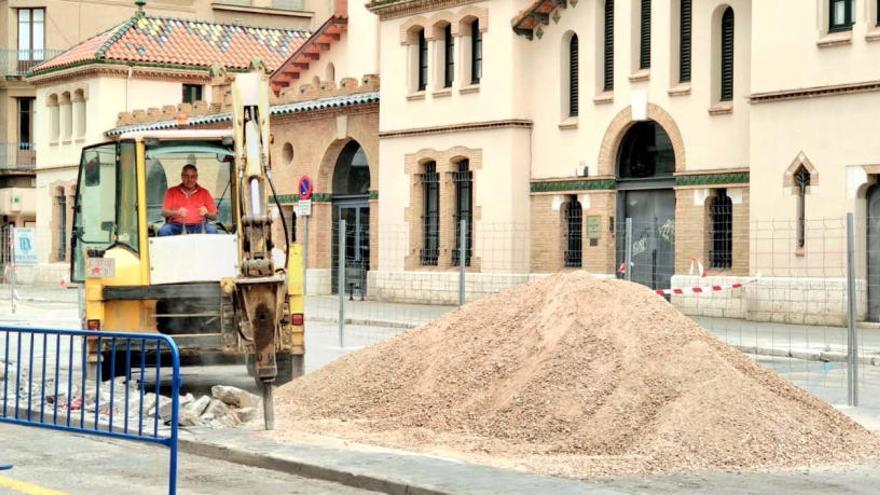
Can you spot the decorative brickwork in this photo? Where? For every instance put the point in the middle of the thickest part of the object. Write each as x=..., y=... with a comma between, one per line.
x=447, y=161
x=548, y=229
x=622, y=122
x=692, y=235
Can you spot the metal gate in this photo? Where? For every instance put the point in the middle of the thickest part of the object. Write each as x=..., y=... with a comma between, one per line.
x=873, y=252
x=653, y=235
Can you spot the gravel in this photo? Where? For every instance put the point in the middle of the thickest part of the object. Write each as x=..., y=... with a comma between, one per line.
x=575, y=377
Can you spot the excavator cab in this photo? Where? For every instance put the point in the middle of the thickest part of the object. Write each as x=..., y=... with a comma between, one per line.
x=180, y=285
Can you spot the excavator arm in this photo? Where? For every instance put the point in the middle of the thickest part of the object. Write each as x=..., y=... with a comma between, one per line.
x=260, y=287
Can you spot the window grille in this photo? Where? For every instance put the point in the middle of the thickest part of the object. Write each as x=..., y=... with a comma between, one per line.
x=645, y=46
x=449, y=54
x=61, y=229
x=423, y=61
x=721, y=236
x=609, y=46
x=430, y=181
x=840, y=14
x=573, y=233
x=476, y=52
x=684, y=68
x=463, y=179
x=573, y=76
x=801, y=181
x=727, y=55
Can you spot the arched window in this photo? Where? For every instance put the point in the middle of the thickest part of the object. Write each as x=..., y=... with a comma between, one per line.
x=66, y=116
x=573, y=217
x=646, y=152
x=80, y=115
x=684, y=46
x=54, y=117
x=464, y=200
x=727, y=55
x=645, y=38
x=476, y=52
x=801, y=182
x=608, y=60
x=430, y=181
x=351, y=176
x=721, y=235
x=448, y=57
x=840, y=14
x=423, y=61
x=573, y=76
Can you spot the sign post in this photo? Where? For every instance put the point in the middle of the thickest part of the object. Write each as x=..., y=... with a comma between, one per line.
x=304, y=209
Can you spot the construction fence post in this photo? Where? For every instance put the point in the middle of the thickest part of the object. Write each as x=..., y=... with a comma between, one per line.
x=462, y=260
x=305, y=253
x=340, y=281
x=629, y=249
x=12, y=268
x=852, y=344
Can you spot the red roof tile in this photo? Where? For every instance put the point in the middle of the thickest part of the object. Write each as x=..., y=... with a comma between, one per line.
x=152, y=40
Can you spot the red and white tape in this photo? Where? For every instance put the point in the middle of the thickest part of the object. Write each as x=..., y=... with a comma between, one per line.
x=704, y=289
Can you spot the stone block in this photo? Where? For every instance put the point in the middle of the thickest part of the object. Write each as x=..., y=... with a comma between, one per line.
x=246, y=414
x=234, y=396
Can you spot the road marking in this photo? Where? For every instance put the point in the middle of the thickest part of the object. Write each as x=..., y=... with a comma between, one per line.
x=26, y=488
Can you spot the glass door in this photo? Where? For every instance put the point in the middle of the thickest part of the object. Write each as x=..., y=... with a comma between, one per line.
x=357, y=246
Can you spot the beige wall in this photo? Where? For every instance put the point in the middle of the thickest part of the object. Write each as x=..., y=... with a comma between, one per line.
x=566, y=145
x=493, y=99
x=501, y=192
x=798, y=60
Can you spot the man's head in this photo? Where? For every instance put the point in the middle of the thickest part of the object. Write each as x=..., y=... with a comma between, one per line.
x=189, y=176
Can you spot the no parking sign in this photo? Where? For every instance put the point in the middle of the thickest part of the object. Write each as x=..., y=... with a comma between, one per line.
x=305, y=187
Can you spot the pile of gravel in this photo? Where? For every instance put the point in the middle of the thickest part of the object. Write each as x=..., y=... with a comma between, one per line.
x=576, y=377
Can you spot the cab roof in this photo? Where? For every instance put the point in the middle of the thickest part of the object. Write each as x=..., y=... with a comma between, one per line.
x=182, y=135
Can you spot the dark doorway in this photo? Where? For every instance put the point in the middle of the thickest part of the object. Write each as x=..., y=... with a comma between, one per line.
x=645, y=164
x=873, y=251
x=351, y=202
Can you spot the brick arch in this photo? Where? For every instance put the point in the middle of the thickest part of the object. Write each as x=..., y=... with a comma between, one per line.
x=439, y=21
x=468, y=14
x=324, y=181
x=607, y=162
x=413, y=24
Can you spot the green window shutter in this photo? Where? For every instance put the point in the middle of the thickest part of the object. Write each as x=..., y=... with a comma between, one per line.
x=727, y=55
x=476, y=52
x=645, y=46
x=573, y=76
x=423, y=61
x=609, y=46
x=448, y=43
x=684, y=68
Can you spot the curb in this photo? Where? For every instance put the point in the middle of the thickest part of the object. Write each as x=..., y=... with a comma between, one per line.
x=298, y=468
x=819, y=356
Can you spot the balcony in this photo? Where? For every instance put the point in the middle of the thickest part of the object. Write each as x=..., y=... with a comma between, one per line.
x=17, y=157
x=16, y=63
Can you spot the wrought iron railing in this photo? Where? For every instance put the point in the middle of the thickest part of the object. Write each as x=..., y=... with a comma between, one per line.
x=17, y=63
x=19, y=156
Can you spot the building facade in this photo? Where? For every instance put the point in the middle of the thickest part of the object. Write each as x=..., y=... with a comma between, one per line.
x=520, y=136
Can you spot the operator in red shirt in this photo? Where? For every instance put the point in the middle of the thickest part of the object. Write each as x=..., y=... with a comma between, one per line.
x=188, y=206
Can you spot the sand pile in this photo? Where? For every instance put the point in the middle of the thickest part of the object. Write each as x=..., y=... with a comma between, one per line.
x=575, y=377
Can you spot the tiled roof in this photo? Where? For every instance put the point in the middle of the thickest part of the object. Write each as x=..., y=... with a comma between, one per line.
x=182, y=43
x=290, y=108
x=529, y=20
x=328, y=33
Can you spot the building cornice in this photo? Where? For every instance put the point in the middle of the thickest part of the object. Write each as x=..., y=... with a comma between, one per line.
x=391, y=9
x=113, y=69
x=814, y=92
x=454, y=128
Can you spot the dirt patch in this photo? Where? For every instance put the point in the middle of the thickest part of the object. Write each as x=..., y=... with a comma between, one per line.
x=576, y=377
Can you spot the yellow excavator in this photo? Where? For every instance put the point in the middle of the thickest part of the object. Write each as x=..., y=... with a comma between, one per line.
x=217, y=294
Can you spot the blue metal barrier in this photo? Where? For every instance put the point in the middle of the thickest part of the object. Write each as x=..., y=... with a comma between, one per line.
x=55, y=404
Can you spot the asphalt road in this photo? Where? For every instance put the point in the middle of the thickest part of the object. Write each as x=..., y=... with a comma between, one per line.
x=46, y=462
